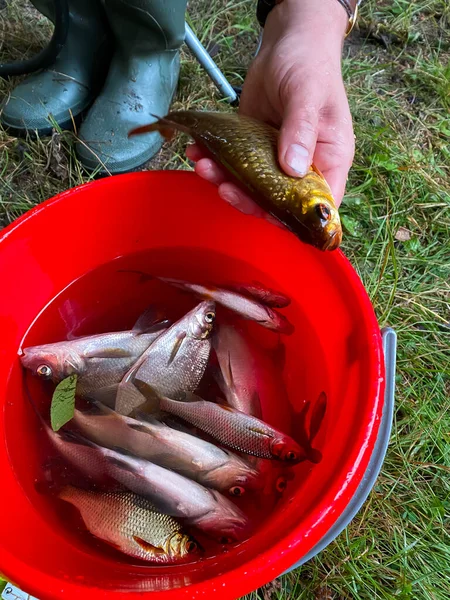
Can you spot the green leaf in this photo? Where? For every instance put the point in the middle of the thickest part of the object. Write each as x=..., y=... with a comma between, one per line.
x=63, y=402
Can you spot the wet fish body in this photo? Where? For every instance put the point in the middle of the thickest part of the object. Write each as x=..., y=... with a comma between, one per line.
x=98, y=360
x=248, y=149
x=131, y=524
x=246, y=307
x=238, y=375
x=175, y=362
x=229, y=426
x=262, y=294
x=154, y=441
x=176, y=495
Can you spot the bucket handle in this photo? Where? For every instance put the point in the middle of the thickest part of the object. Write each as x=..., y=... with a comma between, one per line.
x=389, y=338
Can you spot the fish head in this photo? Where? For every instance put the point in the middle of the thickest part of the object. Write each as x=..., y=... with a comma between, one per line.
x=239, y=476
x=201, y=321
x=226, y=523
x=184, y=545
x=50, y=363
x=287, y=450
x=319, y=215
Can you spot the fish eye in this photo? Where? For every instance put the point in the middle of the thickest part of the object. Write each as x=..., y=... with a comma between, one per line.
x=225, y=540
x=191, y=546
x=291, y=455
x=281, y=484
x=210, y=317
x=237, y=490
x=44, y=371
x=323, y=211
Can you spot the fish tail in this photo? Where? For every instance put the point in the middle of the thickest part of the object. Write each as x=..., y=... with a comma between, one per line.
x=165, y=127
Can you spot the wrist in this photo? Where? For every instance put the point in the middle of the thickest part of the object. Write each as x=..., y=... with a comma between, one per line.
x=325, y=19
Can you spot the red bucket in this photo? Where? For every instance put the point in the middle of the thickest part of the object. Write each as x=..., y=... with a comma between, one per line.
x=173, y=223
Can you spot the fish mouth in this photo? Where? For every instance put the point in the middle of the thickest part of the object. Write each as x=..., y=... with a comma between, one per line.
x=333, y=241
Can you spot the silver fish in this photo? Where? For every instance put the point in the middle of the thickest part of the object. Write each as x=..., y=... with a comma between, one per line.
x=176, y=361
x=246, y=307
x=173, y=494
x=98, y=360
x=229, y=426
x=239, y=375
x=131, y=524
x=154, y=441
x=261, y=293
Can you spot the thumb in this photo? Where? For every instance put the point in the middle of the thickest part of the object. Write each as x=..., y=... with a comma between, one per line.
x=298, y=134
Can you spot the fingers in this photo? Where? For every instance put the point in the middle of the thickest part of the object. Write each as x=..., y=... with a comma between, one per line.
x=194, y=152
x=299, y=130
x=334, y=154
x=211, y=171
x=239, y=200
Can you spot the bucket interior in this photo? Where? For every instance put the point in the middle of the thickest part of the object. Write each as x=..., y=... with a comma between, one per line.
x=80, y=259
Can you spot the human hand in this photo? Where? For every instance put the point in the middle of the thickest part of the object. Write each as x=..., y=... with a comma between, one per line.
x=295, y=83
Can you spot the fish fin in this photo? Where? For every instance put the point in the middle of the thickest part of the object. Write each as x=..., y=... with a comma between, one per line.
x=228, y=408
x=108, y=353
x=219, y=378
x=116, y=461
x=147, y=546
x=151, y=397
x=317, y=416
x=75, y=438
x=128, y=398
x=302, y=434
x=260, y=431
x=176, y=348
x=123, y=451
x=256, y=403
x=141, y=424
x=316, y=170
x=141, y=427
x=164, y=126
x=228, y=372
x=106, y=395
x=189, y=397
x=158, y=326
x=98, y=409
x=149, y=318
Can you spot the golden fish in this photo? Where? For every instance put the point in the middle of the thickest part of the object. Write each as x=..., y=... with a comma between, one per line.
x=131, y=524
x=247, y=148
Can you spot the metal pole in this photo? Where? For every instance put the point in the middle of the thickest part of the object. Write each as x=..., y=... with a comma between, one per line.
x=200, y=53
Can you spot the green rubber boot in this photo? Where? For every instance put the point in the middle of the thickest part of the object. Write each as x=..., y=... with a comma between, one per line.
x=141, y=81
x=70, y=86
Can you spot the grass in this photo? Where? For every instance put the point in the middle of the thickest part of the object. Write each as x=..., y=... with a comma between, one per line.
x=397, y=219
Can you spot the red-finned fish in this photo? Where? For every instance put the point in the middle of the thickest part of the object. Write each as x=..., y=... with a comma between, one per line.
x=245, y=307
x=261, y=293
x=171, y=493
x=152, y=440
x=131, y=524
x=227, y=425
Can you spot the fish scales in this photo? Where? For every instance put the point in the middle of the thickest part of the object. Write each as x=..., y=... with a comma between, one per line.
x=216, y=417
x=256, y=144
x=129, y=523
x=248, y=149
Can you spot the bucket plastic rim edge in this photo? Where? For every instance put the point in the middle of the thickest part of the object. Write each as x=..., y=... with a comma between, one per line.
x=378, y=454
